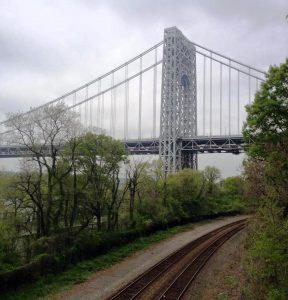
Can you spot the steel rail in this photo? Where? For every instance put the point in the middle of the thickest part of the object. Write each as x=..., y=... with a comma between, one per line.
x=143, y=281
x=177, y=289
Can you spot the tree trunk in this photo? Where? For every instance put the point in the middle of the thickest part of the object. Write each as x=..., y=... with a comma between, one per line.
x=165, y=193
x=98, y=215
x=75, y=198
x=131, y=206
x=49, y=205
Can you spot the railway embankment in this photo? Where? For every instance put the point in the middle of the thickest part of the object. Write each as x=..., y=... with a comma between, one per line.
x=105, y=283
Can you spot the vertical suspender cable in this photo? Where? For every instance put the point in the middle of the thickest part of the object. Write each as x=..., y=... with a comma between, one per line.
x=229, y=104
x=112, y=107
x=154, y=95
x=126, y=104
x=80, y=111
x=90, y=111
x=249, y=86
x=102, y=113
x=86, y=107
x=220, y=99
x=140, y=101
x=204, y=91
x=210, y=93
x=127, y=115
x=98, y=109
x=238, y=101
x=114, y=110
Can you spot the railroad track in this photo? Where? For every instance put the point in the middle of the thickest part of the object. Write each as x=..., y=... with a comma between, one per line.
x=182, y=279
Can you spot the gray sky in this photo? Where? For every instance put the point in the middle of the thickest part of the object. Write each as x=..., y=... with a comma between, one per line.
x=49, y=47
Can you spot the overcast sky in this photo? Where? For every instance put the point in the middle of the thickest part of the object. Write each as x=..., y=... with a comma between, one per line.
x=48, y=47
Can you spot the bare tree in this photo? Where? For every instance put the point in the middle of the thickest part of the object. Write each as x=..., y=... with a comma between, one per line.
x=43, y=134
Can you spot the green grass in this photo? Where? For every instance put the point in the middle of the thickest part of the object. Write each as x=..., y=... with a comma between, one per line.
x=222, y=296
x=50, y=285
x=230, y=279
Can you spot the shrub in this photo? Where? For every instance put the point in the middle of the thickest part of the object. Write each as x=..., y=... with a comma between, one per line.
x=86, y=245
x=41, y=265
x=267, y=255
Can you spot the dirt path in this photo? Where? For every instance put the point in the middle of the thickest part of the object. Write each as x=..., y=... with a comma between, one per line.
x=106, y=282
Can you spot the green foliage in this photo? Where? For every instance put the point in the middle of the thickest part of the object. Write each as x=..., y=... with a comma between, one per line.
x=80, y=207
x=267, y=120
x=9, y=257
x=212, y=176
x=99, y=157
x=100, y=148
x=267, y=260
x=232, y=193
x=49, y=285
x=266, y=173
x=152, y=212
x=267, y=127
x=41, y=265
x=184, y=193
x=42, y=245
x=233, y=187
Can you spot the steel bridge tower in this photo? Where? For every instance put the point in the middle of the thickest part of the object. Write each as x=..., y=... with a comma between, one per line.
x=178, y=117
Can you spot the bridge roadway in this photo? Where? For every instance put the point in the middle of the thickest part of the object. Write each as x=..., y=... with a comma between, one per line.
x=200, y=144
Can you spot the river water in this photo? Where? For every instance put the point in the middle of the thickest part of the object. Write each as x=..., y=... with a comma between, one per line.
x=228, y=164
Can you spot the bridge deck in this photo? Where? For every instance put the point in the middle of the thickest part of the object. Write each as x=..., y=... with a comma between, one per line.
x=199, y=144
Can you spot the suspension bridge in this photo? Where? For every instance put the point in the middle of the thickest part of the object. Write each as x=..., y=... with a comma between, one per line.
x=176, y=99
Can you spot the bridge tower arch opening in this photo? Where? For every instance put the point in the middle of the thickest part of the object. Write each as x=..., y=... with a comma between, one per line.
x=178, y=119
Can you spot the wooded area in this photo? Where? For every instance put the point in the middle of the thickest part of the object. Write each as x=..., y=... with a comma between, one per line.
x=80, y=189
